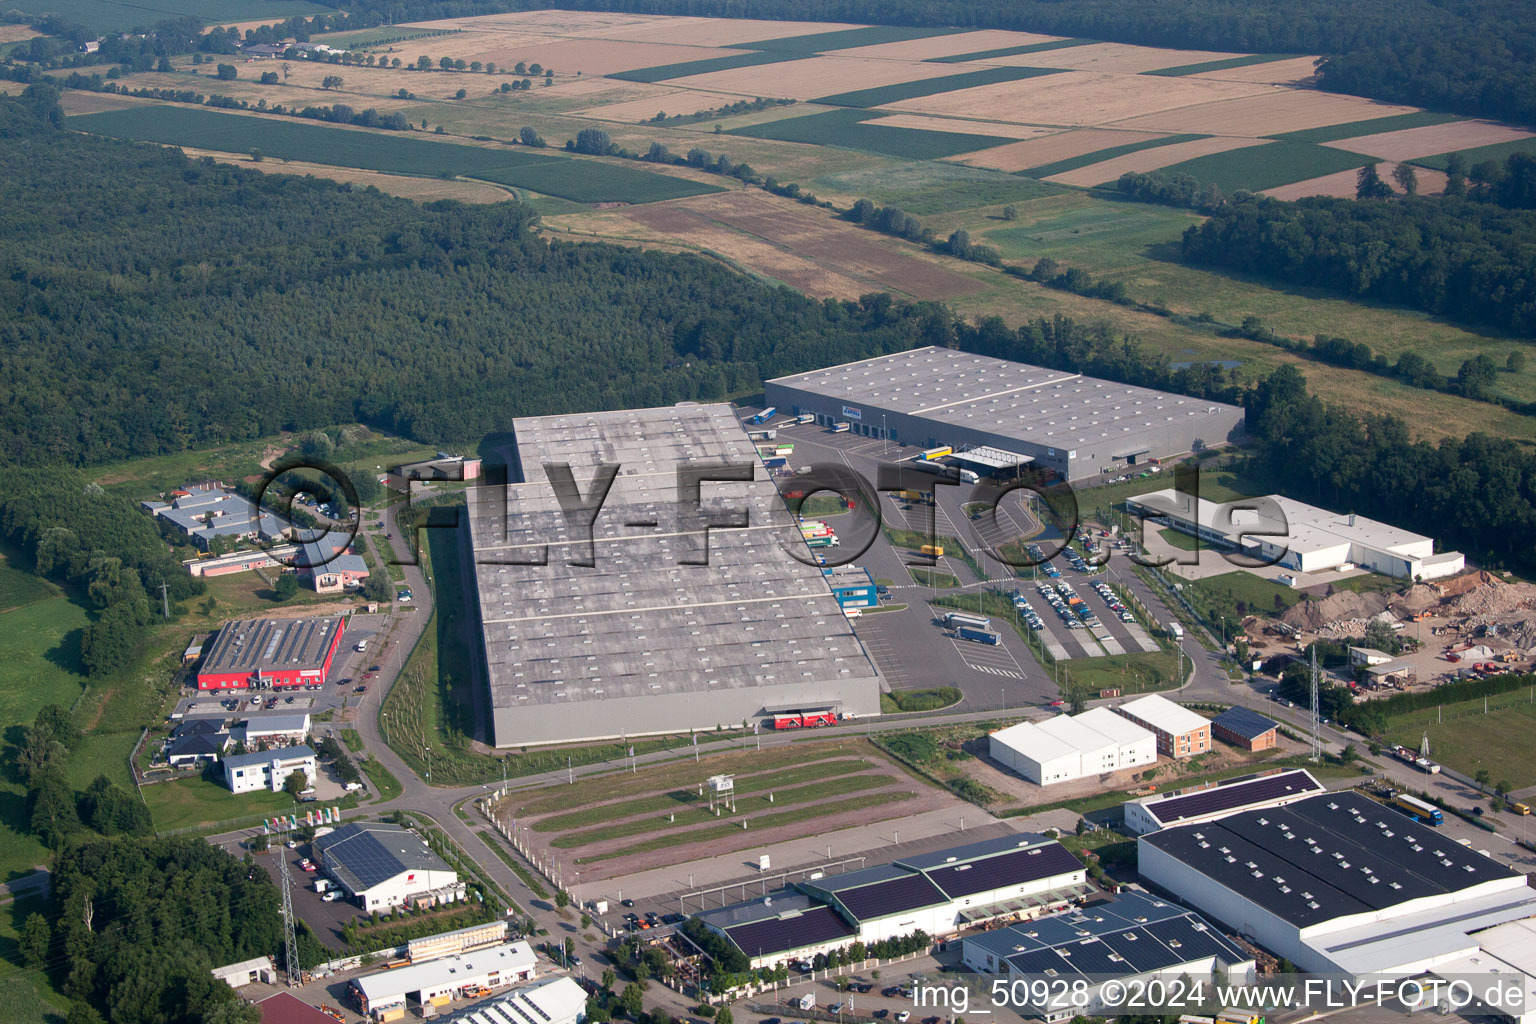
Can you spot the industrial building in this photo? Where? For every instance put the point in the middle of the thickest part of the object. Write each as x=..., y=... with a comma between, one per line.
x=1179, y=731
x=268, y=769
x=444, y=467
x=287, y=1008
x=1072, y=747
x=1077, y=427
x=674, y=614
x=1211, y=800
x=329, y=564
x=380, y=865
x=270, y=653
x=852, y=585
x=558, y=1000
x=207, y=513
x=1246, y=728
x=247, y=972
x=388, y=995
x=1337, y=883
x=938, y=893
x=1123, y=937
x=1300, y=537
x=275, y=558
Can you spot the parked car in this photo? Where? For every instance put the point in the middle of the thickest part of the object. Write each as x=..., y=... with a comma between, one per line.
x=331, y=897
x=903, y=1016
x=627, y=903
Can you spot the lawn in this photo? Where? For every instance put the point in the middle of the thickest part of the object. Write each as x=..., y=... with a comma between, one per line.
x=1098, y=156
x=1232, y=595
x=195, y=802
x=19, y=588
x=887, y=94
x=931, y=699
x=390, y=152
x=386, y=558
x=1462, y=737
x=933, y=577
x=1221, y=65
x=384, y=784
x=1268, y=166
x=31, y=1000
x=1141, y=672
x=1010, y=51
x=856, y=129
x=103, y=16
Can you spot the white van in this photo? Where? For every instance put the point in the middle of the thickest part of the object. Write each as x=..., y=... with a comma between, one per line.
x=360, y=646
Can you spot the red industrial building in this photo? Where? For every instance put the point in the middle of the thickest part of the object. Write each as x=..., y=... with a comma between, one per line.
x=276, y=654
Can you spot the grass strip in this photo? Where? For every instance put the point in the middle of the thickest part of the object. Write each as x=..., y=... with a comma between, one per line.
x=384, y=784
x=1097, y=156
x=1010, y=51
x=886, y=94
x=1220, y=65
x=1371, y=126
x=854, y=128
x=527, y=877
x=663, y=72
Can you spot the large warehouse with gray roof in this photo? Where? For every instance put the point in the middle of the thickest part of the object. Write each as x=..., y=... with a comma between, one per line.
x=638, y=638
x=1075, y=426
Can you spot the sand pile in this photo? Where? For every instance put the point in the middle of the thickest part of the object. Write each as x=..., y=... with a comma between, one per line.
x=1345, y=604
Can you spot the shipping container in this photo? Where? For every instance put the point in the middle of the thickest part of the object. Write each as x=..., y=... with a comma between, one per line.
x=980, y=636
x=928, y=455
x=956, y=619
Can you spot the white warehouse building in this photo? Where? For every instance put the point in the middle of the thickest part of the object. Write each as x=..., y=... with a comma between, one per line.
x=1338, y=883
x=1073, y=746
x=380, y=865
x=268, y=769
x=1208, y=801
x=1301, y=537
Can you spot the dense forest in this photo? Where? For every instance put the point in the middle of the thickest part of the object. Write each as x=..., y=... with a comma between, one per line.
x=1454, y=257
x=152, y=303
x=1462, y=55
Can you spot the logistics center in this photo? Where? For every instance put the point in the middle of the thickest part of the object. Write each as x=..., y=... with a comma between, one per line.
x=1077, y=427
x=673, y=617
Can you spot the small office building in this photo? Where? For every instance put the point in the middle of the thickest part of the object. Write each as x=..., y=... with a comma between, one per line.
x=1246, y=728
x=1072, y=747
x=268, y=769
x=1179, y=731
x=388, y=995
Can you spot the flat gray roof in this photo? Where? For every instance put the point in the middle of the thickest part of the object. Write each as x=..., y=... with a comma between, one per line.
x=1045, y=406
x=636, y=622
x=246, y=645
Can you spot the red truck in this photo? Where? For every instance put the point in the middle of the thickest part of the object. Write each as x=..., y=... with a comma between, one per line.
x=804, y=719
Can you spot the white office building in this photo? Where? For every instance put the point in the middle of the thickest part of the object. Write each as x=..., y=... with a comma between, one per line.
x=268, y=769
x=1073, y=747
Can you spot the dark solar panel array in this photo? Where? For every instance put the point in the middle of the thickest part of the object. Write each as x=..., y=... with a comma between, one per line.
x=763, y=938
x=1007, y=869
x=1137, y=949
x=1091, y=957
x=1045, y=962
x=1221, y=798
x=1193, y=943
x=893, y=897
x=973, y=851
x=1142, y=949
x=362, y=854
x=1244, y=722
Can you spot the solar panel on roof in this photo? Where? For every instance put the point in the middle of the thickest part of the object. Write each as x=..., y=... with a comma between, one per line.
x=893, y=897
x=1244, y=722
x=1221, y=798
x=761, y=938
x=1007, y=869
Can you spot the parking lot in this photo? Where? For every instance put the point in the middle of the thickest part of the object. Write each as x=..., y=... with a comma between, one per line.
x=911, y=647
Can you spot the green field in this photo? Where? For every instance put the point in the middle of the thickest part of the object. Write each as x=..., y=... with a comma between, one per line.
x=1372, y=126
x=396, y=153
x=192, y=802
x=116, y=16
x=663, y=72
x=887, y=94
x=1499, y=151
x=1269, y=166
x=846, y=38
x=923, y=187
x=1462, y=737
x=1073, y=163
x=1010, y=51
x=1221, y=65
x=848, y=129
x=39, y=664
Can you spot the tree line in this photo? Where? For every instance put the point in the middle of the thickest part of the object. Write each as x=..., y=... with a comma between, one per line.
x=1454, y=257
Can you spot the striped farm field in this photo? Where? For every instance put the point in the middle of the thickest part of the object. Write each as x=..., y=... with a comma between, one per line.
x=1267, y=113
x=1268, y=165
x=1228, y=64
x=958, y=48
x=1498, y=151
x=1352, y=129
x=988, y=56
x=796, y=77
x=1116, y=58
x=1094, y=157
x=887, y=94
x=1055, y=148
x=671, y=102
x=860, y=129
x=1342, y=184
x=1294, y=71
x=1432, y=140
x=396, y=153
x=847, y=38
x=702, y=66
x=1153, y=158
x=1084, y=99
x=993, y=129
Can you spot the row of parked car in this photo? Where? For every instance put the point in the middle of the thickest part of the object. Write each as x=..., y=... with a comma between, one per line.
x=1113, y=600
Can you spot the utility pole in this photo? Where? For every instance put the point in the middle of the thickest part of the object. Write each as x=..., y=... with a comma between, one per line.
x=290, y=940
x=1317, y=717
x=165, y=602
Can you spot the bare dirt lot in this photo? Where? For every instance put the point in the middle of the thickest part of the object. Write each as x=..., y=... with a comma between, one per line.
x=16, y=33
x=1080, y=98
x=816, y=76
x=1431, y=140
x=618, y=825
x=1342, y=184
x=1018, y=156
x=1118, y=58
x=1278, y=110
x=1150, y=159
x=1294, y=71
